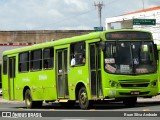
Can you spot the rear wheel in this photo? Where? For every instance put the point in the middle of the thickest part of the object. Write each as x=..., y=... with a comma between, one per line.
x=130, y=102
x=29, y=102
x=84, y=103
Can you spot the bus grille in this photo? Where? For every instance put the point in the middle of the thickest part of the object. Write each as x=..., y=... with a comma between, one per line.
x=134, y=85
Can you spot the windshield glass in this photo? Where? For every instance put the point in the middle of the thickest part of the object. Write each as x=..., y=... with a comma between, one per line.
x=124, y=57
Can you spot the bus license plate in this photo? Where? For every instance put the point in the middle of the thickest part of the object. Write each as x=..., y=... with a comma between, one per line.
x=135, y=93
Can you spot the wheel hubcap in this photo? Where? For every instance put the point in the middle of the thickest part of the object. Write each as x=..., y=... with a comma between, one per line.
x=28, y=100
x=83, y=97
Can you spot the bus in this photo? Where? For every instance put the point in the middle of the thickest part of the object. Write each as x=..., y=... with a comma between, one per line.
x=112, y=64
x=158, y=48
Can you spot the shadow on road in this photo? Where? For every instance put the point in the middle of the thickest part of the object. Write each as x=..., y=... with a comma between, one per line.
x=96, y=106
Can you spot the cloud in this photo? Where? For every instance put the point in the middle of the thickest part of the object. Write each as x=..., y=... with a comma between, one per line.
x=62, y=14
x=75, y=6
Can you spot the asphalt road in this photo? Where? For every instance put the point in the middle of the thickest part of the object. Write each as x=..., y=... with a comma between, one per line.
x=110, y=106
x=111, y=110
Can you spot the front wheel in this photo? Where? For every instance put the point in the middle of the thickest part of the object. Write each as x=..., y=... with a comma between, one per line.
x=29, y=102
x=84, y=103
x=130, y=102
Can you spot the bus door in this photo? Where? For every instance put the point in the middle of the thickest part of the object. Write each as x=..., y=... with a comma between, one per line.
x=11, y=77
x=62, y=74
x=95, y=71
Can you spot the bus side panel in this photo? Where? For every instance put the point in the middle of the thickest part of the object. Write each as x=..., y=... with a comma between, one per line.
x=158, y=70
x=49, y=85
x=5, y=87
x=22, y=80
x=41, y=84
x=76, y=75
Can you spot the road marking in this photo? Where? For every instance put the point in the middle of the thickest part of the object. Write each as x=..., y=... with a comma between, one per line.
x=74, y=119
x=146, y=109
x=92, y=110
x=4, y=108
x=51, y=109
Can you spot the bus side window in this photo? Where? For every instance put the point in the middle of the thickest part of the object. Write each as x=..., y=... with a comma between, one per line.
x=48, y=55
x=23, y=65
x=73, y=62
x=4, y=65
x=77, y=53
x=36, y=60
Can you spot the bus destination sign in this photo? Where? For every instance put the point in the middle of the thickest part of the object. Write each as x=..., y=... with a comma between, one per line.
x=144, y=21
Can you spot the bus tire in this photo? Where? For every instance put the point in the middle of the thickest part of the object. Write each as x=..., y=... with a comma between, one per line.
x=29, y=102
x=84, y=103
x=130, y=102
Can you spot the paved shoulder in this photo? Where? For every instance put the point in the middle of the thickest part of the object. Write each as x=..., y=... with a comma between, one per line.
x=153, y=99
x=9, y=101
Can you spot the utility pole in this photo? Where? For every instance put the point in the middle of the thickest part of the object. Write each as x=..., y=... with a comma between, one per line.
x=99, y=5
x=143, y=4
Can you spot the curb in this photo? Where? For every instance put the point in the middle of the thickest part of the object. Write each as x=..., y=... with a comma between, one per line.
x=153, y=99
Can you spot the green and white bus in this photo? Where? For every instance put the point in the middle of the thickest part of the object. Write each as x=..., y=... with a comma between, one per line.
x=119, y=64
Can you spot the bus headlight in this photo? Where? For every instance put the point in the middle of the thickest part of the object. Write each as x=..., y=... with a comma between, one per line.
x=153, y=83
x=113, y=83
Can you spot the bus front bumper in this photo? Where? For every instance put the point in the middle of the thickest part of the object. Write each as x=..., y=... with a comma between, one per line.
x=139, y=92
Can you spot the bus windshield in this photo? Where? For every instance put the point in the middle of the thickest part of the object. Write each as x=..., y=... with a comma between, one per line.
x=123, y=57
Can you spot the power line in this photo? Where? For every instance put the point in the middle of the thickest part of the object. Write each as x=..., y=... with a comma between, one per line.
x=71, y=17
x=68, y=18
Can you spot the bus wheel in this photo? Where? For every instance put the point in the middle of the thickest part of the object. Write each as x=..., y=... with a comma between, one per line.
x=130, y=102
x=28, y=99
x=29, y=102
x=84, y=103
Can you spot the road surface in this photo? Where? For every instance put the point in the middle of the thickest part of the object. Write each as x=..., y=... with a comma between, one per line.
x=111, y=110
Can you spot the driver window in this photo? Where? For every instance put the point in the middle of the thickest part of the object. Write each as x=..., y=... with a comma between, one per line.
x=146, y=53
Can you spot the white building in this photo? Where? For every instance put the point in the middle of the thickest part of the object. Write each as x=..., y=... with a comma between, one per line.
x=126, y=21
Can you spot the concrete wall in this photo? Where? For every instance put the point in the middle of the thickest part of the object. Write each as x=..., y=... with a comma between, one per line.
x=38, y=36
x=15, y=39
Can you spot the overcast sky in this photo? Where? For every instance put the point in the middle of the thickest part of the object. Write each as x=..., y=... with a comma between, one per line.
x=63, y=14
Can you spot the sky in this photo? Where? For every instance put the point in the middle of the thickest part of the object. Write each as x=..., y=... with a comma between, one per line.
x=63, y=14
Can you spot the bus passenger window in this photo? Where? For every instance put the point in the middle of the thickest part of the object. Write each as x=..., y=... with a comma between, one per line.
x=73, y=62
x=36, y=60
x=48, y=58
x=78, y=53
x=45, y=64
x=83, y=59
x=5, y=65
x=23, y=65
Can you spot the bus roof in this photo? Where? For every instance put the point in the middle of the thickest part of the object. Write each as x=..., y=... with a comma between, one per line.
x=92, y=35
